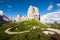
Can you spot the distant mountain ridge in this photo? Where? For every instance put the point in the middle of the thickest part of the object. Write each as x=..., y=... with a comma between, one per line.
x=4, y=19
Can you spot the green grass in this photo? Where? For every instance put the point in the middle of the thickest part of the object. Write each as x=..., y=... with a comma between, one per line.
x=55, y=26
x=32, y=35
x=35, y=34
x=27, y=25
x=3, y=35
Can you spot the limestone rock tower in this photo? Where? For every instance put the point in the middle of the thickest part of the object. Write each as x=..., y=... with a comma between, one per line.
x=33, y=13
x=23, y=18
x=18, y=18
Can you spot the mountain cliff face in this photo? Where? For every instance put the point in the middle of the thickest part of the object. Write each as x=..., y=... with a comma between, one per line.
x=33, y=13
x=18, y=19
x=50, y=18
x=3, y=19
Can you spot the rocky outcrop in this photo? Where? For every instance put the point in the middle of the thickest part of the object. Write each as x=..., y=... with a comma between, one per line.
x=33, y=13
x=3, y=18
x=18, y=19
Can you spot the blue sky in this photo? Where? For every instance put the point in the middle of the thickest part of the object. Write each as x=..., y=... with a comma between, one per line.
x=12, y=8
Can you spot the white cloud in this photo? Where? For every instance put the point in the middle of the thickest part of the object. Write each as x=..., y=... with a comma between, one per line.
x=9, y=6
x=50, y=17
x=1, y=12
x=50, y=7
x=58, y=4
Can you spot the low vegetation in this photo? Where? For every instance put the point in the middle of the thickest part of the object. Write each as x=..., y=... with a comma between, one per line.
x=55, y=25
x=3, y=35
x=27, y=25
x=32, y=35
x=35, y=34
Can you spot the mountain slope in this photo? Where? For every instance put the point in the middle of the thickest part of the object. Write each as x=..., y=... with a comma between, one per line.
x=27, y=25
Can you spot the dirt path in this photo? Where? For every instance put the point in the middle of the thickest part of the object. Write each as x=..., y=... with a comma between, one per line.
x=51, y=29
x=9, y=32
